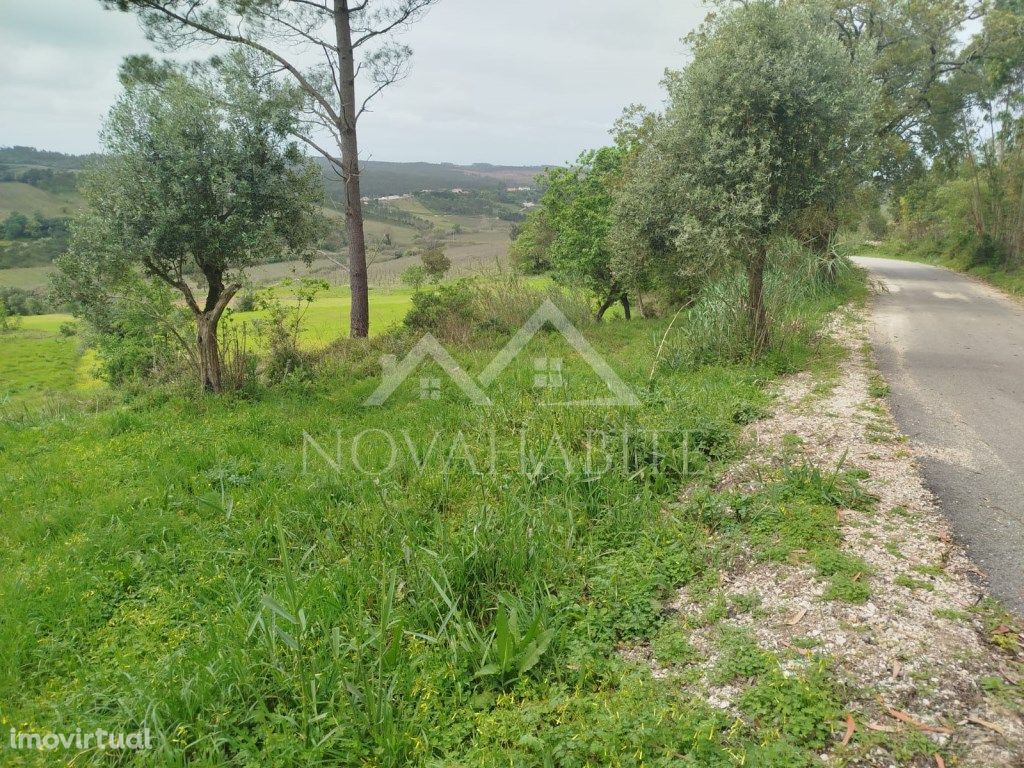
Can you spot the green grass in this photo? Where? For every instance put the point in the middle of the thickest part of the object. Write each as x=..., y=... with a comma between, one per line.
x=170, y=562
x=30, y=278
x=17, y=196
x=327, y=319
x=35, y=361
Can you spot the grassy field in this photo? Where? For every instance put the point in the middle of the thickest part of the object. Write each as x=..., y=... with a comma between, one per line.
x=287, y=577
x=15, y=196
x=327, y=319
x=482, y=246
x=29, y=278
x=35, y=361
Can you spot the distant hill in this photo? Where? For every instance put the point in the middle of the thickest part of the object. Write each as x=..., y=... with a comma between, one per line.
x=40, y=158
x=34, y=181
x=379, y=178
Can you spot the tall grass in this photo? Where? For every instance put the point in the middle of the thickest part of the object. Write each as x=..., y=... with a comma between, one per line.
x=800, y=288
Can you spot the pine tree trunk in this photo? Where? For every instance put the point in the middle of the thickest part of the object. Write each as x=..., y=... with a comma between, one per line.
x=360, y=314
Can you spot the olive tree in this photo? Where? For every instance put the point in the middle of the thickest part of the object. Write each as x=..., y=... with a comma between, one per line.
x=769, y=120
x=576, y=213
x=189, y=195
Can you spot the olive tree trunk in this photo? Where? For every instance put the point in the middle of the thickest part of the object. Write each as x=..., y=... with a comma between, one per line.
x=206, y=336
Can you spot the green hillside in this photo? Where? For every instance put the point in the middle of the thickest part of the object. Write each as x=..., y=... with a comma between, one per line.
x=16, y=196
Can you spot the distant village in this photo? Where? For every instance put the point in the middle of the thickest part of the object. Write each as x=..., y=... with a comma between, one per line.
x=455, y=191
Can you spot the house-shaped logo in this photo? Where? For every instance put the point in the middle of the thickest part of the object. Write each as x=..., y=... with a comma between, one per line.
x=548, y=371
x=428, y=346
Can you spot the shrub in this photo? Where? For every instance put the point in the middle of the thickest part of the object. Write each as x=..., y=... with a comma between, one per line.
x=458, y=311
x=415, y=276
x=436, y=263
x=283, y=325
x=876, y=223
x=8, y=321
x=246, y=301
x=799, y=285
x=20, y=301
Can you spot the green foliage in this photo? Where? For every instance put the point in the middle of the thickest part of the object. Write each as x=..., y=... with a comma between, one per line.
x=769, y=120
x=188, y=188
x=8, y=320
x=876, y=223
x=672, y=646
x=447, y=306
x=511, y=652
x=415, y=276
x=740, y=658
x=795, y=296
x=577, y=208
x=20, y=301
x=435, y=263
x=15, y=225
x=281, y=326
x=531, y=243
x=799, y=708
x=251, y=612
x=141, y=335
x=465, y=308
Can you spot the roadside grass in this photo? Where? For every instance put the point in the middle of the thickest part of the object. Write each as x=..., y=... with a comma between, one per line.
x=286, y=577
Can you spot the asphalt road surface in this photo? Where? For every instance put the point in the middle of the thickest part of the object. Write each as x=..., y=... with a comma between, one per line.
x=952, y=351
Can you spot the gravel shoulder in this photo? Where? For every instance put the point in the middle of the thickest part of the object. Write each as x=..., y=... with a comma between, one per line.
x=927, y=656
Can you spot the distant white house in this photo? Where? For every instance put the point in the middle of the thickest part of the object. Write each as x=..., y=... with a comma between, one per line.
x=518, y=189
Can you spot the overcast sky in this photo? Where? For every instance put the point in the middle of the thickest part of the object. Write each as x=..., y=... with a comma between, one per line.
x=525, y=82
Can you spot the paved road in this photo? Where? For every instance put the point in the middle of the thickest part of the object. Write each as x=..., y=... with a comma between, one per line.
x=952, y=350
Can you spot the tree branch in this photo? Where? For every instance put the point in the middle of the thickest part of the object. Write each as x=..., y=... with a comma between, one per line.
x=239, y=39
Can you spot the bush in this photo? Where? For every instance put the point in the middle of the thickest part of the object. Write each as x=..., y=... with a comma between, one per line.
x=415, y=276
x=8, y=322
x=458, y=311
x=796, y=282
x=283, y=325
x=985, y=253
x=246, y=301
x=20, y=301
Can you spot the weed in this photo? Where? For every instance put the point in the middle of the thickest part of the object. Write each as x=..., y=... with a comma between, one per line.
x=903, y=580
x=740, y=658
x=800, y=708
